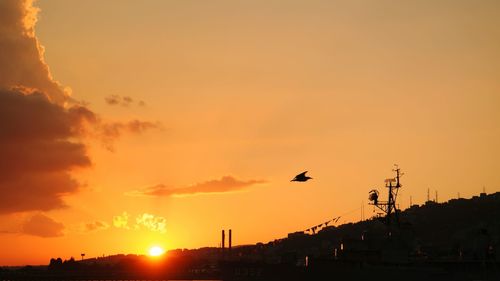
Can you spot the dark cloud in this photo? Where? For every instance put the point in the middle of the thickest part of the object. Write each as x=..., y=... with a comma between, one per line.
x=127, y=100
x=39, y=148
x=225, y=184
x=115, y=129
x=138, y=126
x=95, y=226
x=109, y=132
x=39, y=131
x=41, y=144
x=41, y=127
x=113, y=100
x=124, y=101
x=42, y=226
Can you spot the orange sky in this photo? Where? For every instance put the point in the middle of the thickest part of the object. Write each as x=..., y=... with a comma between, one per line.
x=228, y=101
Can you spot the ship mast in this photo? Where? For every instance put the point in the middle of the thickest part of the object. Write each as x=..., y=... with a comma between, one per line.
x=389, y=206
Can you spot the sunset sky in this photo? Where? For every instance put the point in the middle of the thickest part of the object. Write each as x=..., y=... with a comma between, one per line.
x=128, y=124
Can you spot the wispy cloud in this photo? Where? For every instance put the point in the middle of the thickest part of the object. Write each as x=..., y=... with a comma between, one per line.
x=223, y=185
x=95, y=226
x=124, y=101
x=111, y=131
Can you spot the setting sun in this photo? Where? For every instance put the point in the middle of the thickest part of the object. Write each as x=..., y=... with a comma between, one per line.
x=156, y=251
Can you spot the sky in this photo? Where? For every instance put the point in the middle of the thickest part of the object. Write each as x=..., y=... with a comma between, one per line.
x=128, y=124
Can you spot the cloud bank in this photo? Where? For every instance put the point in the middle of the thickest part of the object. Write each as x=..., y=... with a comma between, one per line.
x=39, y=146
x=39, y=134
x=225, y=184
x=42, y=129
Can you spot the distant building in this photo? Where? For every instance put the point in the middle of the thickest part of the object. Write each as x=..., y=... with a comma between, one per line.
x=297, y=234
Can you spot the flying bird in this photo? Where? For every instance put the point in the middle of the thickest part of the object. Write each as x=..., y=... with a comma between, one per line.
x=301, y=177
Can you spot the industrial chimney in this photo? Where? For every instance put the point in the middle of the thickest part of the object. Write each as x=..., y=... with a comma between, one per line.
x=230, y=239
x=223, y=239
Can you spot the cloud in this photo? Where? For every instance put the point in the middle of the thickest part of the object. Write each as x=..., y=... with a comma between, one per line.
x=152, y=222
x=144, y=221
x=42, y=129
x=115, y=129
x=113, y=99
x=42, y=226
x=121, y=221
x=39, y=130
x=40, y=148
x=21, y=56
x=41, y=144
x=109, y=132
x=225, y=184
x=95, y=226
x=124, y=101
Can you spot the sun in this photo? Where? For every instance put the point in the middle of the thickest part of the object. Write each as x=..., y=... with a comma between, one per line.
x=156, y=251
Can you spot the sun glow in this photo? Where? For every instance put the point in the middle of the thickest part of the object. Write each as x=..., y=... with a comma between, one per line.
x=156, y=251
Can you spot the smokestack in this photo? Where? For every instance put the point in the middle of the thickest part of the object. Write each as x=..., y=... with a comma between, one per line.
x=230, y=238
x=223, y=239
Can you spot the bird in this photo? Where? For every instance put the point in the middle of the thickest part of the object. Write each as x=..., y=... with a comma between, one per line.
x=301, y=177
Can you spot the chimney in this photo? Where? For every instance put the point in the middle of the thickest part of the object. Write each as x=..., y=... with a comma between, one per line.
x=230, y=239
x=223, y=239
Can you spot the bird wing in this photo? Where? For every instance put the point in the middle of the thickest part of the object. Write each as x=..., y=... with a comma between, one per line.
x=303, y=174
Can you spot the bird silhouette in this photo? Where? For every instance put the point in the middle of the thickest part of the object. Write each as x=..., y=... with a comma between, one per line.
x=301, y=177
